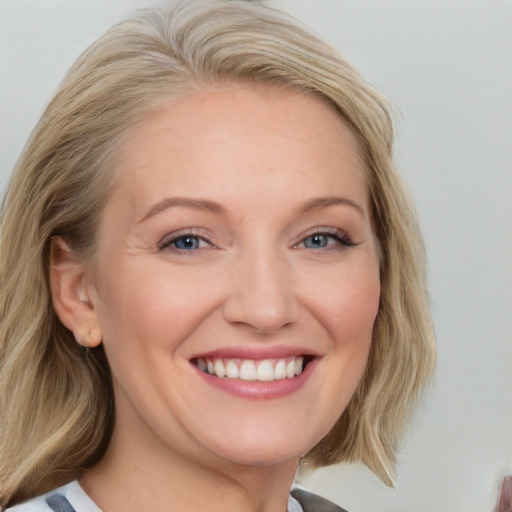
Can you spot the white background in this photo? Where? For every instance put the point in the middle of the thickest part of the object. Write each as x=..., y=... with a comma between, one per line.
x=447, y=67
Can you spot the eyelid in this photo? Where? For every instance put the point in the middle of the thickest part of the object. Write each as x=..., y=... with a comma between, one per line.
x=167, y=240
x=343, y=239
x=341, y=236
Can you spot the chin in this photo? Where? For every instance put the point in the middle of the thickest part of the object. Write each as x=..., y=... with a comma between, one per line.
x=264, y=457
x=265, y=452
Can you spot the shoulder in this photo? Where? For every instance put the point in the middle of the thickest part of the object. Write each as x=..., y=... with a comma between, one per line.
x=313, y=503
x=69, y=498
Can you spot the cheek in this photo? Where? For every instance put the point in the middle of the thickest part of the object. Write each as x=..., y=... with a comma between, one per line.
x=352, y=315
x=348, y=309
x=359, y=306
x=151, y=309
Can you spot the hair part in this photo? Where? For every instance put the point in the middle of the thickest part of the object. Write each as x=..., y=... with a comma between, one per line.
x=56, y=401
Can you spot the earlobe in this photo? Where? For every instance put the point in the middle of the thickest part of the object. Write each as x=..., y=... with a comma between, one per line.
x=72, y=295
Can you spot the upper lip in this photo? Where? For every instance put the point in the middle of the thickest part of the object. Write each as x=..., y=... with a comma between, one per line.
x=256, y=353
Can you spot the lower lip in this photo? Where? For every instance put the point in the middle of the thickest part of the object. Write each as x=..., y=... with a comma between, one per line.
x=257, y=390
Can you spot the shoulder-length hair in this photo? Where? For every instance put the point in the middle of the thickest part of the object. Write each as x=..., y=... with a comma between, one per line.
x=56, y=401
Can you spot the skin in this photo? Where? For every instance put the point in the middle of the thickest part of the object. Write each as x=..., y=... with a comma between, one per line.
x=269, y=163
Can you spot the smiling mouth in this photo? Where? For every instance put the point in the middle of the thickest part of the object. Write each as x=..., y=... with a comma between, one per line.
x=263, y=370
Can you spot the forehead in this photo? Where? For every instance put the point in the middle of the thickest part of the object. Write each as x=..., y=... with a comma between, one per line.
x=240, y=137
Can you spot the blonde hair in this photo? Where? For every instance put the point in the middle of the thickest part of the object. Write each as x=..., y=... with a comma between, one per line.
x=56, y=402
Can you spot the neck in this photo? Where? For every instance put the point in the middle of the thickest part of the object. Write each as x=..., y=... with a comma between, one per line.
x=135, y=476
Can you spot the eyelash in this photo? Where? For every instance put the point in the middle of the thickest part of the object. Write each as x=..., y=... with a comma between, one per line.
x=339, y=237
x=170, y=240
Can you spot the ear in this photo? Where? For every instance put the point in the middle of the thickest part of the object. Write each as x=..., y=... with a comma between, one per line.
x=73, y=293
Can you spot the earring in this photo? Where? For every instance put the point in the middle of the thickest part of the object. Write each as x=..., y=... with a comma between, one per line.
x=85, y=341
x=88, y=338
x=79, y=340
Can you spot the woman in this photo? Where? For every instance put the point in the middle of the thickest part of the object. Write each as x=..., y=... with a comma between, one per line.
x=210, y=273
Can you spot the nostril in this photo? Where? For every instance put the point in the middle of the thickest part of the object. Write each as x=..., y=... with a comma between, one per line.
x=265, y=314
x=262, y=295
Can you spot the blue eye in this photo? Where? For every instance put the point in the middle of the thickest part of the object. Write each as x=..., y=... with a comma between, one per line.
x=185, y=242
x=324, y=240
x=316, y=241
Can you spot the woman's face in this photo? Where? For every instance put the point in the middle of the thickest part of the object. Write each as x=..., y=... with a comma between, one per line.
x=237, y=241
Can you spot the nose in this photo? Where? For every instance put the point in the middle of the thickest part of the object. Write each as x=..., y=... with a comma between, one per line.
x=262, y=293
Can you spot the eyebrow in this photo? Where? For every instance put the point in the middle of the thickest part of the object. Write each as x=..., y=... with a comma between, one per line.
x=324, y=202
x=213, y=207
x=183, y=202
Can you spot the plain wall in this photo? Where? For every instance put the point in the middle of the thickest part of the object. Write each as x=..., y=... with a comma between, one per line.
x=446, y=66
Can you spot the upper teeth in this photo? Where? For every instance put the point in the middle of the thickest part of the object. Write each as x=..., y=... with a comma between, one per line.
x=249, y=369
